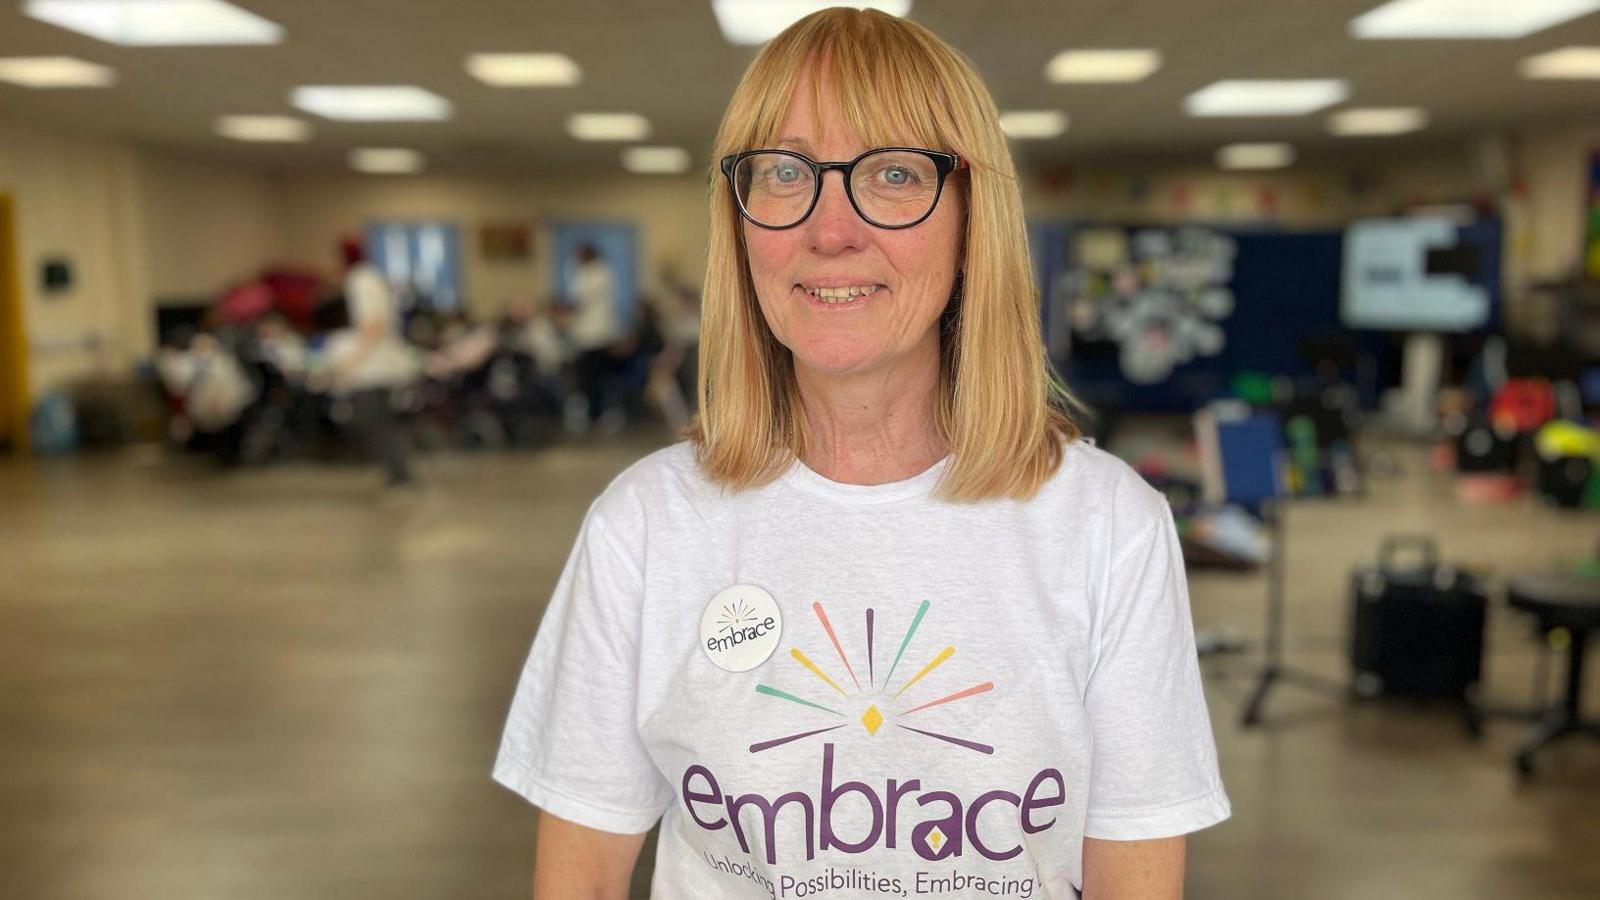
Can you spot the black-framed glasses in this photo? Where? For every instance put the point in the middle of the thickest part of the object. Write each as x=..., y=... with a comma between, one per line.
x=890, y=187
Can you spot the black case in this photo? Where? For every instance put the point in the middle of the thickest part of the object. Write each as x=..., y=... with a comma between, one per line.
x=1562, y=480
x=1416, y=631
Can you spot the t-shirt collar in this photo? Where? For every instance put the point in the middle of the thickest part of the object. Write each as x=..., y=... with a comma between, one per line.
x=921, y=484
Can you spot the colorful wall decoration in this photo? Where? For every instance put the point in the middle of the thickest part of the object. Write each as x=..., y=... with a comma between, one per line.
x=1158, y=294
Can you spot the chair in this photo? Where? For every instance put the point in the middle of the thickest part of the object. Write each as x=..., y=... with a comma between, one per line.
x=1569, y=601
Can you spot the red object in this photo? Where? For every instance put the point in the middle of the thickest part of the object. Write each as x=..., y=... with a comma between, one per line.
x=1523, y=404
x=245, y=302
x=351, y=250
x=297, y=293
x=1267, y=199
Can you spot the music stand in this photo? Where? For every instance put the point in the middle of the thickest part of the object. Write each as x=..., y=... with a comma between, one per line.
x=1241, y=461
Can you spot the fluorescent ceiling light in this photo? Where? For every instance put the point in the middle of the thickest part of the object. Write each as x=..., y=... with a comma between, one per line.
x=1377, y=120
x=157, y=22
x=1102, y=66
x=608, y=126
x=55, y=72
x=1033, y=124
x=751, y=22
x=1255, y=156
x=1266, y=97
x=278, y=129
x=655, y=160
x=524, y=69
x=371, y=103
x=385, y=160
x=1503, y=19
x=1568, y=62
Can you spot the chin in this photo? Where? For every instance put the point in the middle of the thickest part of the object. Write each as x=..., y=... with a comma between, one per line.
x=838, y=357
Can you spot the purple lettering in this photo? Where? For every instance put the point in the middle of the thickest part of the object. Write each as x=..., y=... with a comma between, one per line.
x=769, y=816
x=945, y=842
x=972, y=825
x=830, y=795
x=944, y=836
x=691, y=796
x=1031, y=802
x=896, y=791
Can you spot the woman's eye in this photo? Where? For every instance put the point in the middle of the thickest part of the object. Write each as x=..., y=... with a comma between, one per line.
x=787, y=174
x=896, y=175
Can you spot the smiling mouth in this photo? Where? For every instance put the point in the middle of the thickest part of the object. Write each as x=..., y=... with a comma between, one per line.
x=842, y=294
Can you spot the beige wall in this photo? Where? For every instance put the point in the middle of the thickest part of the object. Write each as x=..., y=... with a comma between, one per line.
x=669, y=212
x=1304, y=196
x=136, y=227
x=1555, y=167
x=78, y=200
x=207, y=226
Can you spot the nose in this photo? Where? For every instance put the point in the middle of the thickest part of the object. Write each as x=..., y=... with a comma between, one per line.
x=834, y=226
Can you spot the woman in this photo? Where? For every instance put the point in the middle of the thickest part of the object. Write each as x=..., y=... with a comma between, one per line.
x=884, y=625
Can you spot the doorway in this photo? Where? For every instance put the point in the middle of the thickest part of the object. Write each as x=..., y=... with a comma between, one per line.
x=13, y=343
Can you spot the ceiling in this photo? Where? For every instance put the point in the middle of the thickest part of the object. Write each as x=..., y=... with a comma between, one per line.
x=667, y=60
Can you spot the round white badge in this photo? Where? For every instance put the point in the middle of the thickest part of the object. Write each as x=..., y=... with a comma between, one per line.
x=740, y=627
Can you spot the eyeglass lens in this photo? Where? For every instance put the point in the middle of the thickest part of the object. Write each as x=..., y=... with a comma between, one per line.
x=890, y=187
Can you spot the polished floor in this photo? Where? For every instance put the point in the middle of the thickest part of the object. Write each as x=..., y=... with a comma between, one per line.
x=282, y=683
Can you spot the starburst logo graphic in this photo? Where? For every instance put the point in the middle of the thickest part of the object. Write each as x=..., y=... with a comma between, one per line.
x=876, y=693
x=734, y=615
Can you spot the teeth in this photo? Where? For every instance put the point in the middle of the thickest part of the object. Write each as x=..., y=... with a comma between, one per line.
x=835, y=295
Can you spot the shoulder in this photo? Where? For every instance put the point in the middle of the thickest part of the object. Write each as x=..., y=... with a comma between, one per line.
x=1100, y=491
x=666, y=479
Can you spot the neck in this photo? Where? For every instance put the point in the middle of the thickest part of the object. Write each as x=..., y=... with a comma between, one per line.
x=873, y=427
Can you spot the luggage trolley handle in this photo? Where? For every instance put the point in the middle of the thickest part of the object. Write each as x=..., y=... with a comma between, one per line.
x=1423, y=543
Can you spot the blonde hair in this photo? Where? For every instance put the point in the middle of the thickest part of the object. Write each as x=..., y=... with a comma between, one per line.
x=1001, y=411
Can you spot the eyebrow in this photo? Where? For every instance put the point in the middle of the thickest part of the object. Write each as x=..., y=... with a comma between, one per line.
x=801, y=143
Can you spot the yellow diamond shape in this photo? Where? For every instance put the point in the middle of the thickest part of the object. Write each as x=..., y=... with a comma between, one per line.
x=872, y=719
x=935, y=838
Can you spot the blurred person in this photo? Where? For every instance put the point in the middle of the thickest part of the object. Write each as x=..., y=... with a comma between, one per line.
x=671, y=371
x=882, y=471
x=371, y=361
x=281, y=346
x=597, y=334
x=539, y=334
x=214, y=393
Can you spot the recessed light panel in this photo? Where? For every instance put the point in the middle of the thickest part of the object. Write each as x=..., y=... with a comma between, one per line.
x=54, y=72
x=751, y=22
x=1102, y=66
x=153, y=23
x=1033, y=124
x=1293, y=97
x=371, y=103
x=1466, y=19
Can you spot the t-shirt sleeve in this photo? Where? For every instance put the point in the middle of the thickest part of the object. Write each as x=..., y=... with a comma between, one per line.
x=571, y=744
x=1154, y=769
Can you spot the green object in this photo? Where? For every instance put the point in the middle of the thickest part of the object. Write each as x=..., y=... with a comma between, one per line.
x=1252, y=387
x=1591, y=489
x=1302, y=433
x=1589, y=568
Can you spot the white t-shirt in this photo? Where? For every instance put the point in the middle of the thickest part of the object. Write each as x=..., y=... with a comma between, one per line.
x=594, y=322
x=959, y=693
x=371, y=302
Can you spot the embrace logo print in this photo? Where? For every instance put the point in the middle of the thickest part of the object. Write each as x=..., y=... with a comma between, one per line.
x=935, y=821
x=882, y=707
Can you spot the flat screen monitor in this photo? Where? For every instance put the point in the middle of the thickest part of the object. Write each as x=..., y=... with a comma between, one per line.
x=1419, y=274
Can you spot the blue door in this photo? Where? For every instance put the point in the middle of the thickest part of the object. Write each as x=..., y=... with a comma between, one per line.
x=422, y=260
x=617, y=244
